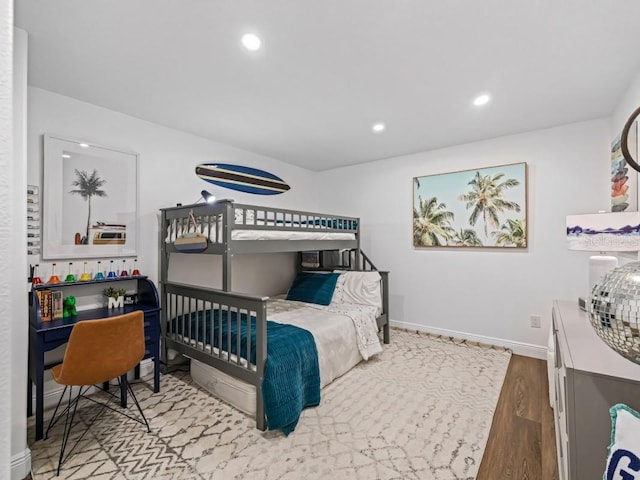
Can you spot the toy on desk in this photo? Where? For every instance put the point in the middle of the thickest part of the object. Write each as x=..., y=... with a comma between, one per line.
x=115, y=297
x=35, y=279
x=135, y=270
x=85, y=276
x=99, y=274
x=53, y=278
x=111, y=273
x=124, y=272
x=69, y=307
x=70, y=276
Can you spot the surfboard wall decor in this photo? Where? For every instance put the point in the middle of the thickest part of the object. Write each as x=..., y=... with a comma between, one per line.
x=242, y=179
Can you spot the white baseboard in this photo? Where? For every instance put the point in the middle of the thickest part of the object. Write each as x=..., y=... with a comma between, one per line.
x=21, y=465
x=519, y=348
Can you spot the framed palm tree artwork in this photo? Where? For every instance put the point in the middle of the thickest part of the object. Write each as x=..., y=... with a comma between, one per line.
x=484, y=207
x=89, y=200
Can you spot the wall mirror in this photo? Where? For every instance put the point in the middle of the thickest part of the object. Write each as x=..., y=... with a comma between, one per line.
x=89, y=200
x=629, y=140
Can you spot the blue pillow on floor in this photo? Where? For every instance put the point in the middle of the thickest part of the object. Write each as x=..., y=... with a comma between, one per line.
x=313, y=287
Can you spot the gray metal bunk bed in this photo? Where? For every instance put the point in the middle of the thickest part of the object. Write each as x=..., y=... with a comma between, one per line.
x=189, y=312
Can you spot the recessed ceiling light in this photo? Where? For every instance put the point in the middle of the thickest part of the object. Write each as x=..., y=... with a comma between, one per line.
x=481, y=100
x=84, y=145
x=251, y=42
x=378, y=127
x=66, y=155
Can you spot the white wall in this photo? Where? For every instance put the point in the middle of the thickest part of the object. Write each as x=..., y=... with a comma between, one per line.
x=20, y=454
x=629, y=101
x=167, y=162
x=6, y=198
x=483, y=293
x=255, y=274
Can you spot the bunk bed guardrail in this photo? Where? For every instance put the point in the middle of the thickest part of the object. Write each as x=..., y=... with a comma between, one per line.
x=200, y=324
x=212, y=217
x=237, y=228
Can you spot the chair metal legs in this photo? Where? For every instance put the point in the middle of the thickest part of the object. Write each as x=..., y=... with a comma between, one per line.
x=135, y=400
x=69, y=417
x=69, y=413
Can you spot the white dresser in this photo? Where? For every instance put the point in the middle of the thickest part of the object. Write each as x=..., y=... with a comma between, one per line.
x=589, y=378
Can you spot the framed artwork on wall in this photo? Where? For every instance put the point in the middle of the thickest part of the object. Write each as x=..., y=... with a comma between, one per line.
x=484, y=207
x=624, y=180
x=89, y=200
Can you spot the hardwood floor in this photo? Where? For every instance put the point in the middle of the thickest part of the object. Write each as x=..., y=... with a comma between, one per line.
x=522, y=444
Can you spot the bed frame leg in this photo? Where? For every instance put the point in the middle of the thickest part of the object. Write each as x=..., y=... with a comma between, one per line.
x=385, y=333
x=261, y=422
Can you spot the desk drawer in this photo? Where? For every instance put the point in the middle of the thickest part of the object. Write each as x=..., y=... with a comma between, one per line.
x=57, y=336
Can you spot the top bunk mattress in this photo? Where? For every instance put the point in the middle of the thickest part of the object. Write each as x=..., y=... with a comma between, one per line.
x=215, y=236
x=288, y=235
x=246, y=220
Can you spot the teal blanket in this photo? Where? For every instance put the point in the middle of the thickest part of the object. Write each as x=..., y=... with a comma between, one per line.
x=292, y=375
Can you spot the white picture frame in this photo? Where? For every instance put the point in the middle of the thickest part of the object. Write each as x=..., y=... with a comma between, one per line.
x=89, y=200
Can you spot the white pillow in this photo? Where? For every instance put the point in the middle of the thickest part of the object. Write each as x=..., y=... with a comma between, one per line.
x=624, y=451
x=361, y=288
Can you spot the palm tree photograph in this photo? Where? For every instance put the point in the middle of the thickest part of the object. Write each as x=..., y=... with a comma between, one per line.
x=90, y=200
x=432, y=223
x=484, y=207
x=88, y=186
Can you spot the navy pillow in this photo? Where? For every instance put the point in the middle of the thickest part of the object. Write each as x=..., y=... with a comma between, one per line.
x=313, y=287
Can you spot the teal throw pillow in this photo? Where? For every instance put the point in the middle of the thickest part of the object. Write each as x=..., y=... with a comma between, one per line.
x=312, y=287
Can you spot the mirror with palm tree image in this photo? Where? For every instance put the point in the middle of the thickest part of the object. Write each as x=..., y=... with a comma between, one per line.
x=90, y=200
x=485, y=207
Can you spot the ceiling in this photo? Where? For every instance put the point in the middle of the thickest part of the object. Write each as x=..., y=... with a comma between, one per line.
x=328, y=70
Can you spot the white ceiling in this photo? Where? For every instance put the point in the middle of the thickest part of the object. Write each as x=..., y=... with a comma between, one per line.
x=330, y=69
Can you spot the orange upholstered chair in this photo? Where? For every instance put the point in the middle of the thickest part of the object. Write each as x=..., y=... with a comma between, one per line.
x=98, y=351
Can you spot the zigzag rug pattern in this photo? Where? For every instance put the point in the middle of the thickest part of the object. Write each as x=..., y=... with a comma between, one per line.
x=422, y=409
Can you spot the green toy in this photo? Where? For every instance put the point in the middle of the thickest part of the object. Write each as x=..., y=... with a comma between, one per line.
x=69, y=307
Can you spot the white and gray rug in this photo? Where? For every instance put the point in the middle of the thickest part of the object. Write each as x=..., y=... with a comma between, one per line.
x=420, y=410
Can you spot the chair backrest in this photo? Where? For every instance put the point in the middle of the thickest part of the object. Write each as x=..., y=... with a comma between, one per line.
x=102, y=349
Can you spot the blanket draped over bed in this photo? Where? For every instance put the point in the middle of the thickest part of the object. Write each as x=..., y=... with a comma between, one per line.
x=292, y=375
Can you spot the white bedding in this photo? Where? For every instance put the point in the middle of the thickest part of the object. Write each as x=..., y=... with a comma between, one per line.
x=289, y=235
x=275, y=235
x=334, y=333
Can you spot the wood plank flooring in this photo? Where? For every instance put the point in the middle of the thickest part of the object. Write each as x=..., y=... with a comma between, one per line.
x=521, y=444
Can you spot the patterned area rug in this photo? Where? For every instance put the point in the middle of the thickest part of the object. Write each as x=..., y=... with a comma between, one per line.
x=420, y=410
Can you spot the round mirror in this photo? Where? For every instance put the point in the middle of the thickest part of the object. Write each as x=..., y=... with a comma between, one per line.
x=629, y=140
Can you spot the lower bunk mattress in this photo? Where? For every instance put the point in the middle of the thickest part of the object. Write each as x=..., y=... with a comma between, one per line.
x=335, y=335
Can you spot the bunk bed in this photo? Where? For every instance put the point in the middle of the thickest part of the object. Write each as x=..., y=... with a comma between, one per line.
x=228, y=330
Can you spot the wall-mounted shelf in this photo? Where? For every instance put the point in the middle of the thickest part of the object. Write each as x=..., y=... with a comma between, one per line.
x=33, y=220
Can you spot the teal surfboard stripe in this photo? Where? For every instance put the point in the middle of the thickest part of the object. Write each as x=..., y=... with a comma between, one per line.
x=240, y=178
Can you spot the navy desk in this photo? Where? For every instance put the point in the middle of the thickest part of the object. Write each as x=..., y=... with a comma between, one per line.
x=46, y=336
